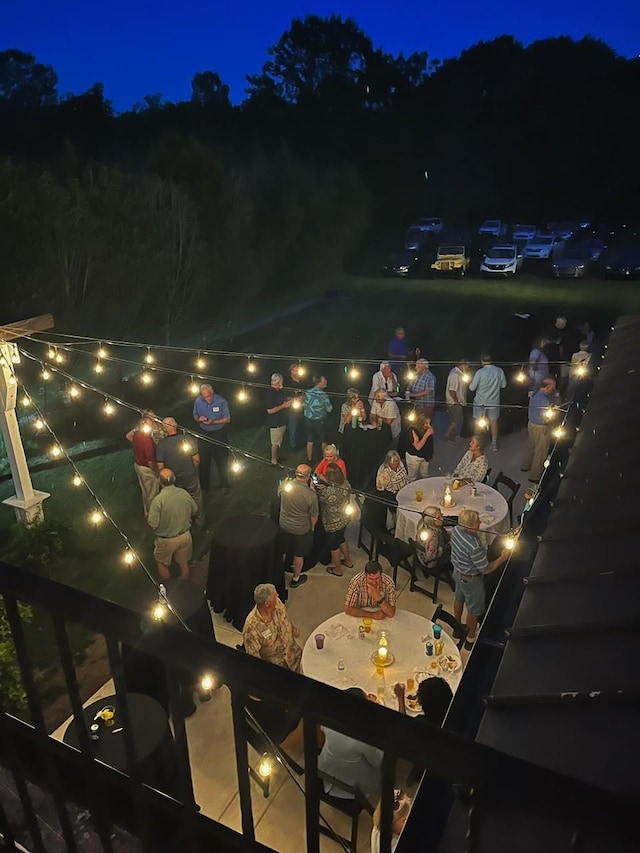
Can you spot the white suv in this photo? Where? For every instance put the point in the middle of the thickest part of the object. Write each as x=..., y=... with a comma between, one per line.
x=493, y=228
x=502, y=260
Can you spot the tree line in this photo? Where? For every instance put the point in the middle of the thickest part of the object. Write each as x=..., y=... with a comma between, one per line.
x=170, y=210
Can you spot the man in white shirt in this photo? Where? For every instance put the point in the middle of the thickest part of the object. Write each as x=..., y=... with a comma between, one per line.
x=456, y=397
x=488, y=382
x=384, y=380
x=388, y=412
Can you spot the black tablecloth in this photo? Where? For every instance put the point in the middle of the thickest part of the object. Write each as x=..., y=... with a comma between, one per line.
x=363, y=451
x=246, y=551
x=151, y=736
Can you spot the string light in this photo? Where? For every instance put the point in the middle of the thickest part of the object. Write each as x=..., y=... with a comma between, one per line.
x=242, y=395
x=482, y=422
x=101, y=353
x=159, y=611
x=265, y=768
x=46, y=375
x=194, y=388
x=411, y=416
x=96, y=517
x=521, y=376
x=186, y=445
x=74, y=391
x=423, y=535
x=39, y=424
x=26, y=400
x=558, y=432
x=207, y=683
x=51, y=353
x=287, y=486
x=146, y=377
x=296, y=404
x=149, y=358
x=349, y=509
x=510, y=542
x=353, y=372
x=128, y=558
x=410, y=375
x=77, y=480
x=146, y=429
x=55, y=450
x=108, y=408
x=12, y=380
x=302, y=370
x=200, y=362
x=466, y=378
x=581, y=370
x=98, y=368
x=549, y=413
x=236, y=467
x=251, y=366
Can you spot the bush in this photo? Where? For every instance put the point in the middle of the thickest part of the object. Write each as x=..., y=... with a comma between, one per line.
x=12, y=695
x=36, y=545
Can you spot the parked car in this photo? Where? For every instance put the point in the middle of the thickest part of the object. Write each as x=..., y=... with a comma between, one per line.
x=451, y=259
x=494, y=227
x=432, y=224
x=404, y=263
x=414, y=238
x=574, y=262
x=544, y=246
x=502, y=260
x=565, y=230
x=623, y=263
x=523, y=233
x=594, y=245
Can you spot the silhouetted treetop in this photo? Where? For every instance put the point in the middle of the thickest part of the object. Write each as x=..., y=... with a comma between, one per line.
x=25, y=82
x=208, y=90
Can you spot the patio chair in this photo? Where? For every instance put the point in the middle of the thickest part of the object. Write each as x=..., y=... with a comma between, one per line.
x=352, y=807
x=396, y=551
x=513, y=489
x=443, y=571
x=485, y=479
x=459, y=630
x=373, y=520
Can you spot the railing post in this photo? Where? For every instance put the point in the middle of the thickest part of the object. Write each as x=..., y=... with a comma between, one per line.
x=312, y=783
x=238, y=699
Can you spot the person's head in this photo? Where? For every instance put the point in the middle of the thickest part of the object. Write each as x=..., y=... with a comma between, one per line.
x=353, y=395
x=469, y=519
x=149, y=418
x=334, y=474
x=265, y=596
x=381, y=397
x=401, y=809
x=277, y=380
x=294, y=371
x=400, y=333
x=548, y=386
x=421, y=365
x=206, y=392
x=303, y=472
x=561, y=323
x=423, y=422
x=485, y=358
x=434, y=696
x=463, y=364
x=330, y=453
x=432, y=517
x=167, y=477
x=170, y=426
x=584, y=346
x=320, y=381
x=373, y=570
x=477, y=444
x=392, y=460
x=358, y=692
x=385, y=369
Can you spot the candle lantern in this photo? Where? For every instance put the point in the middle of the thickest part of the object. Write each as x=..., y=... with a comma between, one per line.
x=447, y=500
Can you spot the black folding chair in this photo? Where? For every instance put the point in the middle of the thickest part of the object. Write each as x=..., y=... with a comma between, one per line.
x=373, y=520
x=513, y=489
x=352, y=807
x=459, y=630
x=395, y=551
x=441, y=572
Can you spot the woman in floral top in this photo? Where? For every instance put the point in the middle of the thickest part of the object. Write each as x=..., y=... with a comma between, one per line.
x=392, y=475
x=436, y=549
x=333, y=497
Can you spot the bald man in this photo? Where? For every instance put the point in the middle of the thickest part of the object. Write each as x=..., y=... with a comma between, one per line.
x=170, y=517
x=298, y=517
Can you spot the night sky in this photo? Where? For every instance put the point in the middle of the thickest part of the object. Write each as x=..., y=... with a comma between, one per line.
x=139, y=47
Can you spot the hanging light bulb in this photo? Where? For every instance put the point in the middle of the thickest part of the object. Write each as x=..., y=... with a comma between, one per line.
x=349, y=509
x=236, y=467
x=108, y=408
x=149, y=358
x=128, y=558
x=59, y=358
x=45, y=374
x=74, y=391
x=546, y=463
x=265, y=768
x=354, y=373
x=146, y=377
x=200, y=362
x=39, y=424
x=159, y=611
x=549, y=413
x=411, y=416
x=410, y=375
x=96, y=517
x=521, y=376
x=296, y=404
x=287, y=486
x=482, y=422
x=146, y=429
x=251, y=366
x=56, y=450
x=26, y=400
x=510, y=542
x=51, y=353
x=466, y=377
x=15, y=356
x=558, y=432
x=77, y=480
x=102, y=353
x=242, y=396
x=581, y=370
x=302, y=370
x=97, y=367
x=186, y=446
x=194, y=388
x=423, y=536
x=12, y=380
x=207, y=682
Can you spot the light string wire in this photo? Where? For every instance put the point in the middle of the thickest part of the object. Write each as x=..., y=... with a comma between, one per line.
x=77, y=340
x=146, y=369
x=235, y=451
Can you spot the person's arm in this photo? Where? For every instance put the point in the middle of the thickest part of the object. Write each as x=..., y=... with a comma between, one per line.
x=474, y=382
x=389, y=610
x=386, y=419
x=153, y=519
x=503, y=381
x=251, y=642
x=351, y=610
x=274, y=409
x=383, y=479
x=420, y=443
x=398, y=689
x=196, y=460
x=453, y=393
x=194, y=508
x=499, y=561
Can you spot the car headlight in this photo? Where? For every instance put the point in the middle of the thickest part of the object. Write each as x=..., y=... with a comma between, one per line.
x=608, y=267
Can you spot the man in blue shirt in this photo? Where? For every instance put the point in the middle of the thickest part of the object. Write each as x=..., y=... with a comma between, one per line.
x=423, y=388
x=470, y=564
x=487, y=383
x=539, y=427
x=211, y=413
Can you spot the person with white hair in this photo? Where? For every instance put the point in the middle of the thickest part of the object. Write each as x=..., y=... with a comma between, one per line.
x=386, y=411
x=268, y=633
x=401, y=808
x=211, y=413
x=384, y=380
x=422, y=390
x=278, y=405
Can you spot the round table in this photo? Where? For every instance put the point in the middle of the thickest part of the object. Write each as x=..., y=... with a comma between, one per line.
x=489, y=504
x=245, y=552
x=407, y=634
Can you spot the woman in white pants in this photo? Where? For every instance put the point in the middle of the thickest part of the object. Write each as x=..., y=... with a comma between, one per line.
x=419, y=448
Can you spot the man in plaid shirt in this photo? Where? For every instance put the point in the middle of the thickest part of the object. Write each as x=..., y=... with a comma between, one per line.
x=372, y=590
x=423, y=388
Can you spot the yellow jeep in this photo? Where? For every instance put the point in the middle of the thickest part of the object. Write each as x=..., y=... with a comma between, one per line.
x=451, y=259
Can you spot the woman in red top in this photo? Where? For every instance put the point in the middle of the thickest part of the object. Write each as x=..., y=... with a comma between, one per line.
x=330, y=455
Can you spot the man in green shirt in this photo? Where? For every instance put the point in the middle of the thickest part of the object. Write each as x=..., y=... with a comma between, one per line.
x=170, y=516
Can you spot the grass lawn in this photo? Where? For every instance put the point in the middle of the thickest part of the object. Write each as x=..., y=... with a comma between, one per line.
x=446, y=318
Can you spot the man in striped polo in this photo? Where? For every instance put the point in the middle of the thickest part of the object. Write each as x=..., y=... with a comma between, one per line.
x=470, y=565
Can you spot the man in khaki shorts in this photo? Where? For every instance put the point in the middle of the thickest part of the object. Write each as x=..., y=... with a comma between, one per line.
x=278, y=405
x=170, y=516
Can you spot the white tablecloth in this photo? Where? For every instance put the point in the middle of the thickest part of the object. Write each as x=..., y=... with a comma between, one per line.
x=407, y=633
x=489, y=504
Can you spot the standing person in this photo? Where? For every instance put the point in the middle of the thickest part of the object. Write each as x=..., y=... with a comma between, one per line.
x=278, y=405
x=470, y=564
x=487, y=383
x=296, y=414
x=555, y=337
x=538, y=365
x=268, y=633
x=419, y=450
x=211, y=412
x=539, y=429
x=423, y=388
x=398, y=350
x=170, y=517
x=317, y=407
x=386, y=411
x=180, y=454
x=298, y=518
x=456, y=398
x=144, y=459
x=384, y=380
x=333, y=499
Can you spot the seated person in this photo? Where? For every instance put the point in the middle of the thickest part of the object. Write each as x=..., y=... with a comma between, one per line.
x=434, y=697
x=330, y=454
x=401, y=809
x=436, y=549
x=349, y=760
x=473, y=466
x=268, y=632
x=391, y=476
x=371, y=593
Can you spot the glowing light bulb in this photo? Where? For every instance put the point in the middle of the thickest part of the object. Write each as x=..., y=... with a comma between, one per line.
x=558, y=432
x=56, y=450
x=96, y=517
x=296, y=404
x=39, y=424
x=74, y=391
x=509, y=543
x=146, y=429
x=146, y=377
x=411, y=417
x=236, y=467
x=98, y=368
x=77, y=480
x=102, y=353
x=354, y=373
x=242, y=396
x=159, y=611
x=410, y=375
x=251, y=367
x=26, y=400
x=149, y=358
x=185, y=446
x=45, y=374
x=108, y=409
x=466, y=378
x=482, y=422
x=302, y=371
x=521, y=376
x=128, y=557
x=59, y=358
x=424, y=535
x=287, y=486
x=349, y=509
x=265, y=768
x=581, y=370
x=355, y=413
x=200, y=362
x=549, y=413
x=194, y=388
x=51, y=353
x=207, y=683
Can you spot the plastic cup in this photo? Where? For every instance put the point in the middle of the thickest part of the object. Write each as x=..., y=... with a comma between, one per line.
x=410, y=684
x=437, y=632
x=319, y=638
x=341, y=665
x=367, y=622
x=419, y=496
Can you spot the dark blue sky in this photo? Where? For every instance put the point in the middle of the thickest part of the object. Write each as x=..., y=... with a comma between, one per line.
x=140, y=47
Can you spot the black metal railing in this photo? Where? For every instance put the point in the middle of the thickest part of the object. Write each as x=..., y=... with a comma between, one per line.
x=170, y=818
